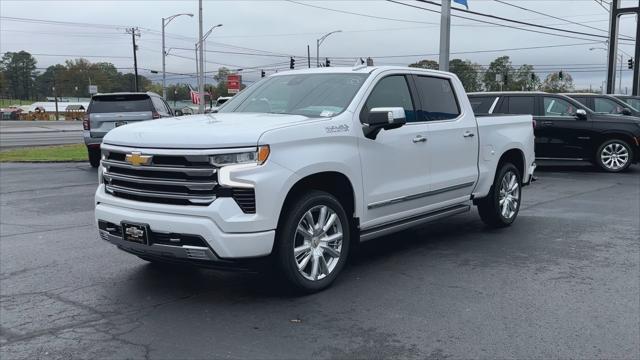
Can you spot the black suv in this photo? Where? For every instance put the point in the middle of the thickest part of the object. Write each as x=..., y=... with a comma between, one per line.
x=605, y=104
x=567, y=130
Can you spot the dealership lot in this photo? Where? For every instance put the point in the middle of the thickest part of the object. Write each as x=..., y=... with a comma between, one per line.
x=562, y=282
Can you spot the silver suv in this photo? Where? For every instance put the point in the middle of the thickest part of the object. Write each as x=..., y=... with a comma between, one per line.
x=108, y=111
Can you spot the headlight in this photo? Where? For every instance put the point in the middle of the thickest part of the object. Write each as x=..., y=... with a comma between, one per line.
x=250, y=157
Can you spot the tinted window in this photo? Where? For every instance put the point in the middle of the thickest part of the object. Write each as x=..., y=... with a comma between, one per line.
x=558, y=107
x=120, y=103
x=159, y=105
x=521, y=105
x=481, y=104
x=606, y=106
x=635, y=103
x=392, y=91
x=437, y=98
x=581, y=99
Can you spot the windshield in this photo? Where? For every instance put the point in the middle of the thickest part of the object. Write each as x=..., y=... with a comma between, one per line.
x=313, y=95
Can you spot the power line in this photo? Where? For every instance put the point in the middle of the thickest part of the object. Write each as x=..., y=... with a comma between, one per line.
x=554, y=17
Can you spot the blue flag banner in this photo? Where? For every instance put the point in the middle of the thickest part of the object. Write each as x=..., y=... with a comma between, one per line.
x=462, y=2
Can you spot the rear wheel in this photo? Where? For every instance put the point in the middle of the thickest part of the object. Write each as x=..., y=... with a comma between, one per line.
x=501, y=206
x=614, y=156
x=94, y=156
x=313, y=241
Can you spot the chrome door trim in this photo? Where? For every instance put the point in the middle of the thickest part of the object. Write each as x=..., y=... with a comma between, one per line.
x=397, y=200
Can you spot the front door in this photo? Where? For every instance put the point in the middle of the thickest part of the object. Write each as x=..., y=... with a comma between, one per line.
x=394, y=165
x=559, y=133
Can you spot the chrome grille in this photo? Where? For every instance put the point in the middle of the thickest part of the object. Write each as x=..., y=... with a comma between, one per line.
x=170, y=179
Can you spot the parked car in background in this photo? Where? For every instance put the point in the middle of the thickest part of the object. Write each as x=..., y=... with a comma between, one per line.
x=304, y=164
x=633, y=101
x=108, y=111
x=221, y=100
x=567, y=130
x=604, y=104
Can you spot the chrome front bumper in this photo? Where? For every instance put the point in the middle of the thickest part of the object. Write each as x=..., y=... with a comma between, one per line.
x=184, y=252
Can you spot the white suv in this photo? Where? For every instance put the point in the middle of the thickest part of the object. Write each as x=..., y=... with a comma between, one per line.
x=302, y=165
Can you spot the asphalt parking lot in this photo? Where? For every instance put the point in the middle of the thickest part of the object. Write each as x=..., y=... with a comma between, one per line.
x=563, y=282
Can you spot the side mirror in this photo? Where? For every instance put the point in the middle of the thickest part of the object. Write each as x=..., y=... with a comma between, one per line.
x=386, y=118
x=581, y=114
x=178, y=113
x=626, y=111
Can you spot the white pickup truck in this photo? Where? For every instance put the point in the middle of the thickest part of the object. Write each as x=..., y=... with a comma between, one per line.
x=300, y=167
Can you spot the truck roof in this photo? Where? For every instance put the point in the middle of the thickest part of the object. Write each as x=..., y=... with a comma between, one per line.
x=359, y=69
x=505, y=92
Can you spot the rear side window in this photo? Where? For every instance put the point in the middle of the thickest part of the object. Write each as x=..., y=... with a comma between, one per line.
x=120, y=103
x=437, y=98
x=581, y=99
x=521, y=105
x=482, y=104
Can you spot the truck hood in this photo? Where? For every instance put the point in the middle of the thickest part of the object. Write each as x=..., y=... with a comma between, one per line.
x=221, y=130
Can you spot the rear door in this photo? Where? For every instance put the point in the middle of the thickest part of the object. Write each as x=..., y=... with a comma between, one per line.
x=109, y=111
x=559, y=133
x=452, y=139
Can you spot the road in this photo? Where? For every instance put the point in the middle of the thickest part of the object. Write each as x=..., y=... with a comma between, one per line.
x=37, y=133
x=562, y=282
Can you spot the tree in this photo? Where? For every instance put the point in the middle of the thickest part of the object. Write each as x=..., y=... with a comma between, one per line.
x=526, y=78
x=500, y=67
x=221, y=80
x=48, y=79
x=19, y=70
x=467, y=72
x=425, y=64
x=554, y=84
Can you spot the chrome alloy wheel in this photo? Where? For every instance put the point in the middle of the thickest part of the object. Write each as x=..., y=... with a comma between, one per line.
x=509, y=195
x=614, y=156
x=318, y=242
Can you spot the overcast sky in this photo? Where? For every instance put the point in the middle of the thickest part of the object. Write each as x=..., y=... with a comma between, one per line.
x=282, y=28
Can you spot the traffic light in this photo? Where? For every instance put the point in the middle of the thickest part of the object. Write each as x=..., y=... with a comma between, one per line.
x=560, y=75
x=533, y=76
x=630, y=62
x=263, y=74
x=327, y=63
x=292, y=63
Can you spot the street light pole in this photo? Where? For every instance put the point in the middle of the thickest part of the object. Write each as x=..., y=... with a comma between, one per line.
x=319, y=42
x=200, y=47
x=165, y=22
x=620, y=73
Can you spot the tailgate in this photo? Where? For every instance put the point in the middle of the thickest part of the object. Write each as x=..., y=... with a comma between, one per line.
x=101, y=123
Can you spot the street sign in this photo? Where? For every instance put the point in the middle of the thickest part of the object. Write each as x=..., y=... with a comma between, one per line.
x=234, y=82
x=93, y=89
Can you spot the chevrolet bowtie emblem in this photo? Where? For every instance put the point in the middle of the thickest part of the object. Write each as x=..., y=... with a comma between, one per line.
x=137, y=159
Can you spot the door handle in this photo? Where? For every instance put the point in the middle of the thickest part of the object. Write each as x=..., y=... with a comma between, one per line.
x=419, y=139
x=547, y=123
x=468, y=134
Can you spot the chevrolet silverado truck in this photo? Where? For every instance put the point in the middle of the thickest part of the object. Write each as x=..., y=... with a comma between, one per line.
x=301, y=166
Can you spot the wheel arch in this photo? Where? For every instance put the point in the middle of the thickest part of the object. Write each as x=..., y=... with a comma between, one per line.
x=516, y=157
x=333, y=182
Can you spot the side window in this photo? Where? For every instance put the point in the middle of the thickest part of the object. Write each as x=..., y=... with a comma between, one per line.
x=169, y=110
x=521, y=105
x=482, y=104
x=157, y=104
x=582, y=100
x=437, y=98
x=554, y=106
x=606, y=106
x=392, y=91
x=502, y=107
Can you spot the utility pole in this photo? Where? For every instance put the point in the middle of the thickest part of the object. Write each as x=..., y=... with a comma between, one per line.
x=309, y=56
x=616, y=11
x=134, y=32
x=165, y=22
x=55, y=95
x=201, y=61
x=445, y=30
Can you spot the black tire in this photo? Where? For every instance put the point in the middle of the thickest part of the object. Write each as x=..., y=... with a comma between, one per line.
x=288, y=237
x=614, y=156
x=490, y=209
x=94, y=156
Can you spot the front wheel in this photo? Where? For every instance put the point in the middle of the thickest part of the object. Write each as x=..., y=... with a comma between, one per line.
x=94, y=156
x=501, y=206
x=614, y=156
x=313, y=241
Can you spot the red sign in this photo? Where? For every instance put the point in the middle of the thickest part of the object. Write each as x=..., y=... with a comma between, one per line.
x=233, y=83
